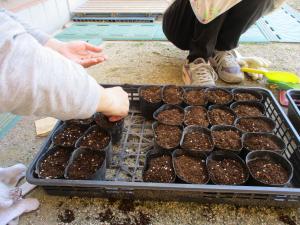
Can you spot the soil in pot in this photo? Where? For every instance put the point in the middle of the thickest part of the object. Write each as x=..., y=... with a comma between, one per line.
x=227, y=139
x=53, y=166
x=254, y=125
x=191, y=169
x=167, y=136
x=159, y=170
x=247, y=110
x=85, y=165
x=260, y=142
x=151, y=94
x=172, y=95
x=218, y=96
x=196, y=116
x=195, y=97
x=95, y=139
x=268, y=171
x=227, y=171
x=69, y=135
x=171, y=116
x=221, y=117
x=198, y=141
x=81, y=121
x=244, y=96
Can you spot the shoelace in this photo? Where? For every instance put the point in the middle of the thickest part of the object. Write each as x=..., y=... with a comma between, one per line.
x=225, y=58
x=204, y=73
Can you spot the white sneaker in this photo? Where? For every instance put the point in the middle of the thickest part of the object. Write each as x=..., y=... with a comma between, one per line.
x=227, y=67
x=199, y=73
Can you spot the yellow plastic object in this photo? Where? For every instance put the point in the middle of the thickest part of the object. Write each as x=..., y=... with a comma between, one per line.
x=275, y=76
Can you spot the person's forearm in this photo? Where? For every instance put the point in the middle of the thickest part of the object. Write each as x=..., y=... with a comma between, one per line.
x=37, y=80
x=39, y=35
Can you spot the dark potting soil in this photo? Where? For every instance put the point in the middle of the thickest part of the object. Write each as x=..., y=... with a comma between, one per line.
x=227, y=171
x=227, y=139
x=126, y=205
x=151, y=94
x=67, y=216
x=245, y=97
x=109, y=217
x=159, y=170
x=247, y=110
x=221, y=117
x=96, y=139
x=85, y=165
x=196, y=116
x=198, y=141
x=171, y=116
x=69, y=135
x=268, y=171
x=173, y=95
x=191, y=169
x=218, y=96
x=142, y=219
x=105, y=216
x=53, y=166
x=254, y=125
x=167, y=136
x=287, y=220
x=259, y=142
x=195, y=97
x=81, y=121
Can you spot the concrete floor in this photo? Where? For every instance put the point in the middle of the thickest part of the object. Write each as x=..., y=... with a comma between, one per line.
x=141, y=63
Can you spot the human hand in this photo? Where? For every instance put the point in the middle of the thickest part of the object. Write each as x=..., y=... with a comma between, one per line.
x=252, y=62
x=80, y=52
x=114, y=103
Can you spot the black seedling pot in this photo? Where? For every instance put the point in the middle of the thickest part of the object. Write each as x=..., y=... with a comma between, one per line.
x=221, y=155
x=275, y=157
x=162, y=148
x=148, y=108
x=99, y=174
x=198, y=155
x=107, y=148
x=114, y=128
x=255, y=93
x=190, y=129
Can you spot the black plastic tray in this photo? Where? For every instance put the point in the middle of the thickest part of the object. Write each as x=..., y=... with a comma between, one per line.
x=124, y=177
x=294, y=108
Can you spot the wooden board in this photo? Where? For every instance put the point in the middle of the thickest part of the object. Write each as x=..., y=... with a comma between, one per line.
x=123, y=6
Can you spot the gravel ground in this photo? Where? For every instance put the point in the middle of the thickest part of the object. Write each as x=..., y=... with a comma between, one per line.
x=140, y=63
x=160, y=62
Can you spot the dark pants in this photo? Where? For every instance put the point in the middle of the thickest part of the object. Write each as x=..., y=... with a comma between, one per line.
x=182, y=28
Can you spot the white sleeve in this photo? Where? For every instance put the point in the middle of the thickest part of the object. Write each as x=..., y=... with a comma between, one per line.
x=39, y=35
x=37, y=80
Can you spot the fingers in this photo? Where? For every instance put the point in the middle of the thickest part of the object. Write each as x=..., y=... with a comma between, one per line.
x=255, y=62
x=93, y=48
x=115, y=118
x=242, y=62
x=266, y=63
x=91, y=61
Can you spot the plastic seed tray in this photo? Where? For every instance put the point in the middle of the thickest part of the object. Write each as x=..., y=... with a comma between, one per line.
x=124, y=176
x=293, y=97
